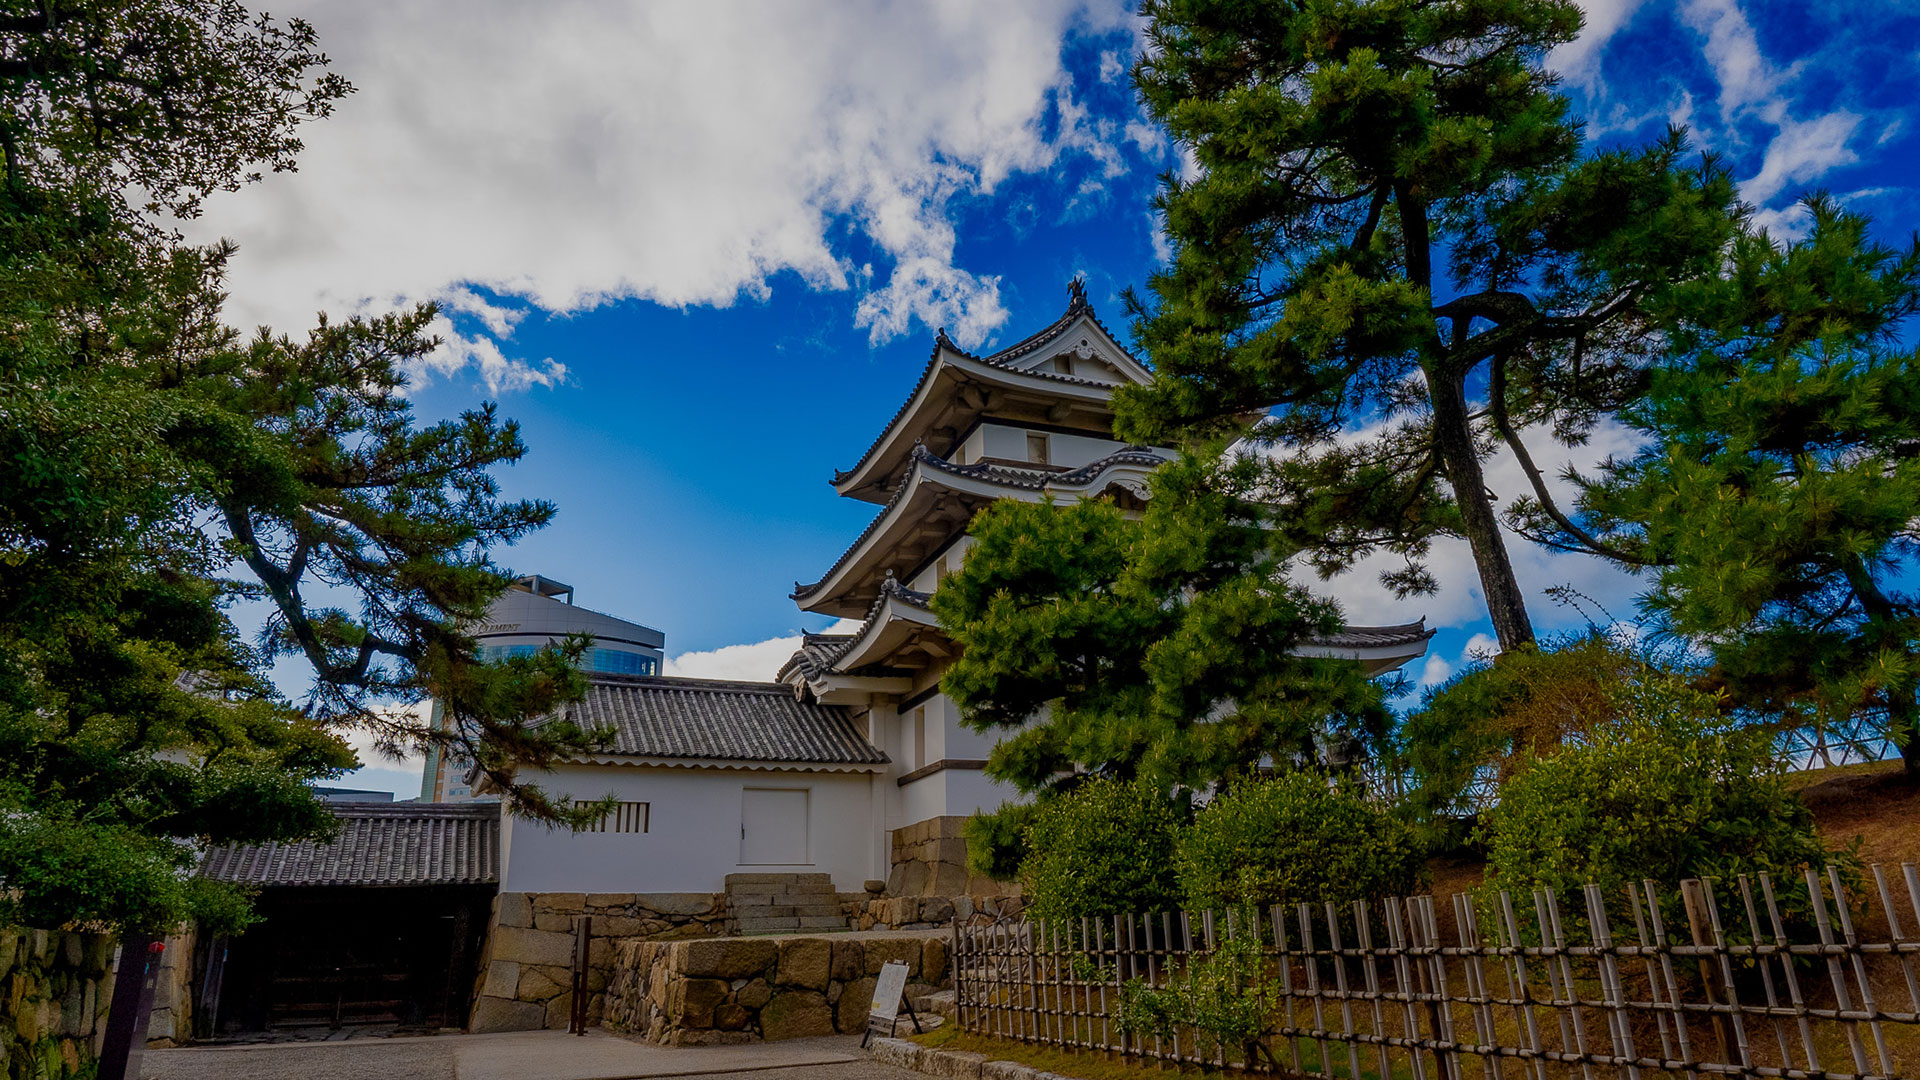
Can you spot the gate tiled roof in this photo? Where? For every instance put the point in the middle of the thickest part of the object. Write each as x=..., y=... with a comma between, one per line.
x=379, y=844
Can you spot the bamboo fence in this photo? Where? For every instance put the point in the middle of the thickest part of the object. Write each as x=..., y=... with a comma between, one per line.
x=1750, y=978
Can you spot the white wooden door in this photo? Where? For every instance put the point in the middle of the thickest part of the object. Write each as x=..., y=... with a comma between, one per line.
x=773, y=827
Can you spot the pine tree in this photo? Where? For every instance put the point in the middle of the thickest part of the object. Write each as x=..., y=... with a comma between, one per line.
x=161, y=467
x=1396, y=247
x=1160, y=647
x=1780, y=487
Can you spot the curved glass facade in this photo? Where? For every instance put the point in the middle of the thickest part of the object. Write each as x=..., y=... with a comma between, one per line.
x=604, y=661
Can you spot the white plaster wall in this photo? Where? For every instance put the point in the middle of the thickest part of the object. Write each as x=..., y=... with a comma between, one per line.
x=1074, y=451
x=921, y=799
x=928, y=579
x=950, y=791
x=693, y=839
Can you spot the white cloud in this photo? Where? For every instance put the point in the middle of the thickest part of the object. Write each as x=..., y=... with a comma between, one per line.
x=1751, y=89
x=573, y=153
x=1747, y=79
x=1480, y=647
x=1801, y=152
x=1435, y=672
x=756, y=661
x=1460, y=600
x=1579, y=60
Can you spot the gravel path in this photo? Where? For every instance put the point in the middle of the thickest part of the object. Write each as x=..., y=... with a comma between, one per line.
x=523, y=1056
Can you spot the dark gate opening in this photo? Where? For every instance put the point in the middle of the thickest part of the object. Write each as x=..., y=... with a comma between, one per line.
x=338, y=956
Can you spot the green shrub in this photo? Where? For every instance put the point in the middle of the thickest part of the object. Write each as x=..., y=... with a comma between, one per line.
x=1224, y=997
x=1296, y=839
x=997, y=841
x=1105, y=848
x=1668, y=791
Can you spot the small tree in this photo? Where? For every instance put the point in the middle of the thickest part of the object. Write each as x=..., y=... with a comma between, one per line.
x=1163, y=646
x=1105, y=848
x=1501, y=716
x=1670, y=790
x=1296, y=839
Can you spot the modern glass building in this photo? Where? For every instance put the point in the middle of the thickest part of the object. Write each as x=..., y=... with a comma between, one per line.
x=534, y=613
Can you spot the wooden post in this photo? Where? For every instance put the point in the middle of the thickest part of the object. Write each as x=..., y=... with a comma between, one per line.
x=131, y=1006
x=1700, y=925
x=582, y=937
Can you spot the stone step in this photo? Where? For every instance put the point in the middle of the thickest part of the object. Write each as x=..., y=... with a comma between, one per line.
x=777, y=879
x=768, y=925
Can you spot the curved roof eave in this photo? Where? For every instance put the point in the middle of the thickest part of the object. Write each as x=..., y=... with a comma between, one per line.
x=880, y=457
x=979, y=481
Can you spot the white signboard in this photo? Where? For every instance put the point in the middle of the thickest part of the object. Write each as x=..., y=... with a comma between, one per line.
x=887, y=991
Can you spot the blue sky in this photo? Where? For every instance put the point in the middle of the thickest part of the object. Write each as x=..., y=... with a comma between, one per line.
x=701, y=255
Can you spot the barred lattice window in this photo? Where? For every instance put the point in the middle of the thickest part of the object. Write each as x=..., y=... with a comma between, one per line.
x=624, y=817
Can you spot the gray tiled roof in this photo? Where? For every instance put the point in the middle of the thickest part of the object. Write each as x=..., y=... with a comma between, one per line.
x=379, y=844
x=1036, y=479
x=819, y=654
x=662, y=717
x=1004, y=475
x=1003, y=358
x=1369, y=637
x=816, y=654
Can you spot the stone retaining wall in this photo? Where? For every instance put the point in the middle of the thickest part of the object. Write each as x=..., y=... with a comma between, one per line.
x=735, y=990
x=54, y=991
x=930, y=912
x=526, y=966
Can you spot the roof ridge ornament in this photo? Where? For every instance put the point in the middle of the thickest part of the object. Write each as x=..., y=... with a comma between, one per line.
x=1077, y=293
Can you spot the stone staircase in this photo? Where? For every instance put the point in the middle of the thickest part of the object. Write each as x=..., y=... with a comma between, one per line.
x=783, y=904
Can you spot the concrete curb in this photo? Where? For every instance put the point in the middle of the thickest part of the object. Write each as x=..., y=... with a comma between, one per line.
x=955, y=1063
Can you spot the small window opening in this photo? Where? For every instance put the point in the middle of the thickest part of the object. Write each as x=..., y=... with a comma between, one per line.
x=627, y=817
x=1037, y=449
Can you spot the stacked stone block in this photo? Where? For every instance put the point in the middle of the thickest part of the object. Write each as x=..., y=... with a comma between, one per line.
x=929, y=858
x=784, y=903
x=740, y=989
x=931, y=912
x=54, y=991
x=526, y=974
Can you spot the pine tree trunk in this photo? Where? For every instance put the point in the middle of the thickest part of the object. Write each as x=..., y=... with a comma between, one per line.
x=1903, y=724
x=1453, y=439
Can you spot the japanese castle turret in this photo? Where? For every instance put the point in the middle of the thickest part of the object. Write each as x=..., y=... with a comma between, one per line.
x=1031, y=421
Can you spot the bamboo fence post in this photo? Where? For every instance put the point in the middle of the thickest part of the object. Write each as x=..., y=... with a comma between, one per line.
x=1619, y=1020
x=1763, y=961
x=1836, y=972
x=1792, y=978
x=1340, y=983
x=1524, y=1011
x=1735, y=1014
x=1694, y=898
x=1899, y=938
x=1551, y=935
x=1187, y=944
x=1363, y=933
x=1480, y=995
x=1279, y=920
x=1403, y=979
x=1867, y=1002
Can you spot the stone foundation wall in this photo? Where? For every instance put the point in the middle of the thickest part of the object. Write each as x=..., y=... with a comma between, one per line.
x=527, y=963
x=735, y=990
x=929, y=858
x=54, y=991
x=930, y=912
